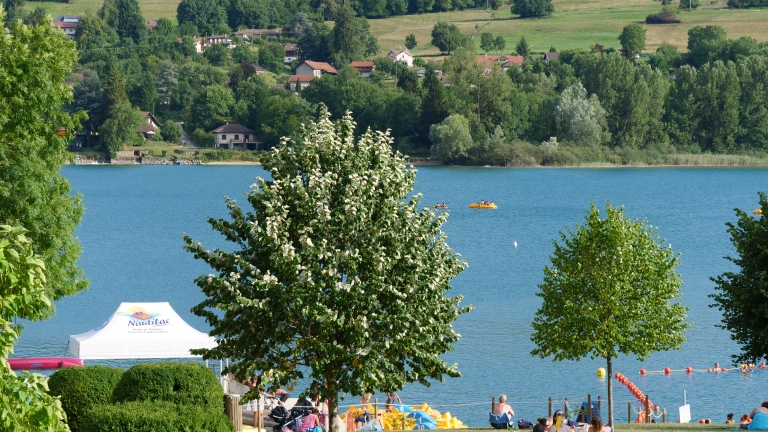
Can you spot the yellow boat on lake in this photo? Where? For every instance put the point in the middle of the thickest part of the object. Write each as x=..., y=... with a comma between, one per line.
x=483, y=206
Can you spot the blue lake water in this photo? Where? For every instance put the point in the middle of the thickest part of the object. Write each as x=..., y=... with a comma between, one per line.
x=132, y=251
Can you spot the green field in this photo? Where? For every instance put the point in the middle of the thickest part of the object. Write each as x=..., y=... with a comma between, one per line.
x=575, y=24
x=151, y=9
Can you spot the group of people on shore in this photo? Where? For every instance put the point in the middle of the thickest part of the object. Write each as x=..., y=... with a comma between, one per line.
x=556, y=423
x=757, y=420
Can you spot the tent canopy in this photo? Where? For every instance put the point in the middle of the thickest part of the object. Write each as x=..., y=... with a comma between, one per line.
x=140, y=330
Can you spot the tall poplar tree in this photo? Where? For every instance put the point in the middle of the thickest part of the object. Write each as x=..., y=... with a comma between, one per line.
x=610, y=289
x=336, y=276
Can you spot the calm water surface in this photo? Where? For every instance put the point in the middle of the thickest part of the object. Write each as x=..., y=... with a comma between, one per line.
x=132, y=251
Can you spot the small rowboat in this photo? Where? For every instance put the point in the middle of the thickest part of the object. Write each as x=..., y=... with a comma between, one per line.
x=43, y=363
x=482, y=206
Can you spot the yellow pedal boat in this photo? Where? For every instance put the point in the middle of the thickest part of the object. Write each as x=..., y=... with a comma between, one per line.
x=482, y=206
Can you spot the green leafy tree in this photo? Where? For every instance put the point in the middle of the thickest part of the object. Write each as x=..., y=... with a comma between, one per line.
x=740, y=294
x=13, y=9
x=125, y=17
x=336, y=232
x=408, y=81
x=451, y=139
x=212, y=107
x=447, y=37
x=89, y=97
x=272, y=57
x=532, y=8
x=209, y=16
x=501, y=43
x=410, y=41
x=632, y=39
x=120, y=127
x=248, y=13
x=317, y=42
x=706, y=44
x=114, y=89
x=487, y=42
x=36, y=63
x=688, y=5
x=243, y=54
x=35, y=16
x=522, y=47
x=26, y=402
x=434, y=105
x=624, y=281
x=217, y=54
x=172, y=132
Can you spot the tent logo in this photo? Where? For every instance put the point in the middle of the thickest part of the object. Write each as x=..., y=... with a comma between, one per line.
x=138, y=317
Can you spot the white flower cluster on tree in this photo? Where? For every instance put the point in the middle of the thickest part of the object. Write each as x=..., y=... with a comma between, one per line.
x=338, y=276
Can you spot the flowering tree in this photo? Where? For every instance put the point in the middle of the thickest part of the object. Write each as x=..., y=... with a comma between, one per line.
x=337, y=276
x=610, y=289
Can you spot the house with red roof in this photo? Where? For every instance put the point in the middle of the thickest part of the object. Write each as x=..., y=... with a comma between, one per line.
x=365, y=67
x=505, y=62
x=315, y=68
x=291, y=52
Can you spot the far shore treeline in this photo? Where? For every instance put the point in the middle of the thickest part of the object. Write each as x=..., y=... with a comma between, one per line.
x=589, y=106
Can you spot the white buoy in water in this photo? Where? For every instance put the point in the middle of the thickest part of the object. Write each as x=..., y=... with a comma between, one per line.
x=515, y=243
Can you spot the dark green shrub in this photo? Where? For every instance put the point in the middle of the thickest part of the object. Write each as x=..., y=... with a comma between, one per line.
x=179, y=383
x=81, y=388
x=154, y=416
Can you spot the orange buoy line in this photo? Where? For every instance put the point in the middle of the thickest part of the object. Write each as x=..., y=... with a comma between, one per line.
x=689, y=369
x=636, y=392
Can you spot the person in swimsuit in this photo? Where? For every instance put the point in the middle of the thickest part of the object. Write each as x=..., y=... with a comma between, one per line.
x=391, y=398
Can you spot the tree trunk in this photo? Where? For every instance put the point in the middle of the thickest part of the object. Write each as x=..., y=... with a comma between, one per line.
x=610, y=391
x=333, y=413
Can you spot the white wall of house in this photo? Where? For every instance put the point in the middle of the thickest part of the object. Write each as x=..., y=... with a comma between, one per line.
x=232, y=140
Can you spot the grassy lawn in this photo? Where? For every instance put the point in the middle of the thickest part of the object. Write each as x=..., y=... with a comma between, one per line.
x=576, y=24
x=151, y=9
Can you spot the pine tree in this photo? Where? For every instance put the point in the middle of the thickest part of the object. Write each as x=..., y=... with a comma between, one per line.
x=125, y=17
x=434, y=106
x=522, y=47
x=114, y=89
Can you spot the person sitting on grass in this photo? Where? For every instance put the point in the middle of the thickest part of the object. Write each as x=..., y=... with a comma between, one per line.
x=596, y=425
x=501, y=417
x=745, y=420
x=729, y=418
x=759, y=417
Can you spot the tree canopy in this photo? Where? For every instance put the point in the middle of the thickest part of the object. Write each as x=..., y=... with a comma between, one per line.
x=447, y=37
x=610, y=289
x=532, y=8
x=34, y=130
x=632, y=39
x=741, y=294
x=350, y=273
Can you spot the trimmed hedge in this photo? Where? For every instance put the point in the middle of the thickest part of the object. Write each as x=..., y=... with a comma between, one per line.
x=81, y=388
x=179, y=383
x=154, y=416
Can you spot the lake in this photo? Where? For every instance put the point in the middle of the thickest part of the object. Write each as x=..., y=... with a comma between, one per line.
x=132, y=251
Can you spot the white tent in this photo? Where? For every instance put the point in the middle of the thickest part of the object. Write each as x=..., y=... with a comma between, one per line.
x=140, y=330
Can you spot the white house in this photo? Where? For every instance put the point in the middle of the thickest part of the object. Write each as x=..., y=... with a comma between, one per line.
x=291, y=52
x=68, y=24
x=258, y=33
x=403, y=56
x=234, y=136
x=217, y=39
x=304, y=80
